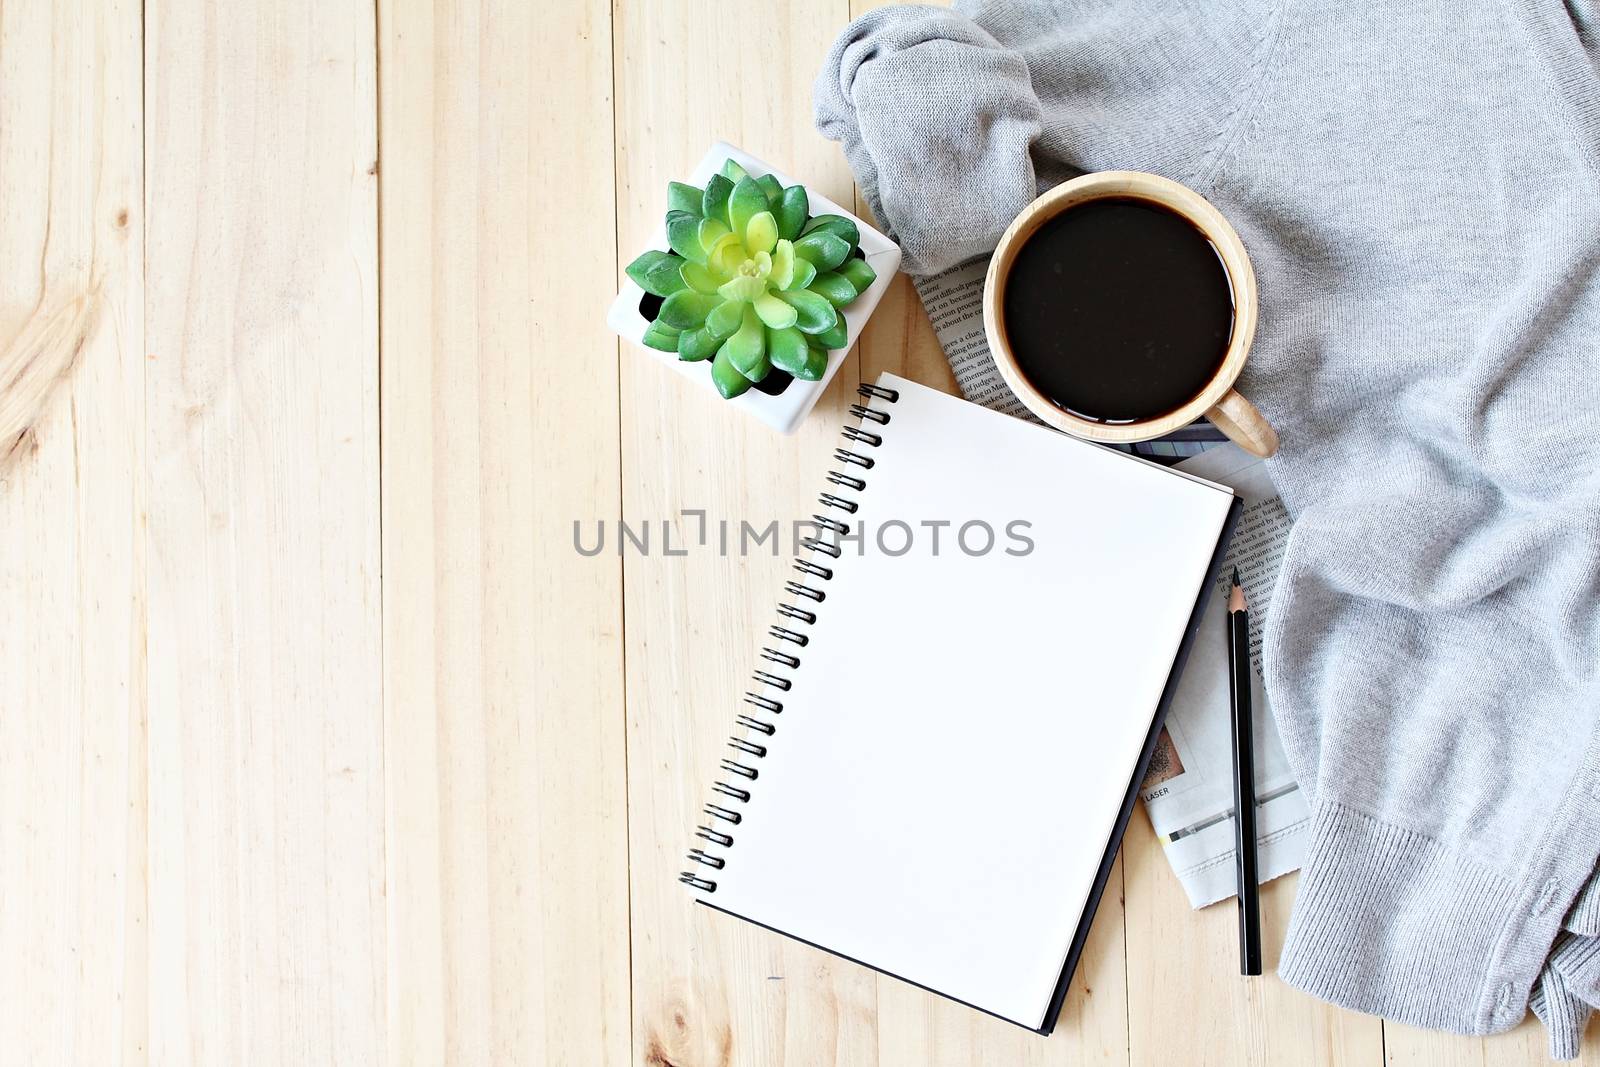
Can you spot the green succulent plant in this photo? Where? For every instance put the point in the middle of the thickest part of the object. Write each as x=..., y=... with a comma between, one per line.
x=753, y=281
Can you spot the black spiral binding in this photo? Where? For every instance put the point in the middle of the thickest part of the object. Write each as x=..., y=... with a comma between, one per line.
x=742, y=775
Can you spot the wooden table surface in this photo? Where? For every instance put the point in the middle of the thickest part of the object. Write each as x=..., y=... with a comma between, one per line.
x=319, y=742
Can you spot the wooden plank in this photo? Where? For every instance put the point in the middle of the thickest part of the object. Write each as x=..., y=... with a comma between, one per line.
x=900, y=339
x=912, y=1026
x=709, y=989
x=265, y=725
x=71, y=540
x=1185, y=996
x=812, y=1009
x=503, y=646
x=1407, y=1046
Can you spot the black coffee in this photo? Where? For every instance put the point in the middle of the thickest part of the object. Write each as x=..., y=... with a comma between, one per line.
x=1118, y=310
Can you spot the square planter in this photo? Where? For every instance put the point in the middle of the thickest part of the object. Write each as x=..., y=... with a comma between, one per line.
x=784, y=411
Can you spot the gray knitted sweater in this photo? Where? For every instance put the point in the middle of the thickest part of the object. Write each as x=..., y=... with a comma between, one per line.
x=1418, y=183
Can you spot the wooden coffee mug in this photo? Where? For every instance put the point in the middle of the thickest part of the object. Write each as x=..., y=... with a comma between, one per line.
x=1218, y=401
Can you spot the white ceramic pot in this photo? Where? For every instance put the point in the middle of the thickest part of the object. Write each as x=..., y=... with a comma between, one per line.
x=786, y=411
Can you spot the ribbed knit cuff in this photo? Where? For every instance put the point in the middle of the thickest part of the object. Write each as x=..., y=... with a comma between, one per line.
x=1569, y=989
x=1390, y=922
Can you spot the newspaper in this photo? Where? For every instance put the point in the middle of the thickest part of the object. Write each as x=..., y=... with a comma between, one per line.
x=1189, y=790
x=954, y=301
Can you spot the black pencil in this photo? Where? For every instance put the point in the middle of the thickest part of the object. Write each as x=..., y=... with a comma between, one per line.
x=1244, y=780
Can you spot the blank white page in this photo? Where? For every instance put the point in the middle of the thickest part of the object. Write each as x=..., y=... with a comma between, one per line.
x=950, y=762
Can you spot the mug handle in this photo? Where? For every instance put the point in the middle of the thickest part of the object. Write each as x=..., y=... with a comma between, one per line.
x=1244, y=424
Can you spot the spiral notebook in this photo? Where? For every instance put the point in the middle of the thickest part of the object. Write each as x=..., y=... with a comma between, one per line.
x=939, y=800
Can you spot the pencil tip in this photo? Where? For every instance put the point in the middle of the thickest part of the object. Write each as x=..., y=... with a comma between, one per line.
x=1236, y=576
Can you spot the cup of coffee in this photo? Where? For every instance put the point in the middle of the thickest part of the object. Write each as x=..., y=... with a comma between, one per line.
x=1120, y=306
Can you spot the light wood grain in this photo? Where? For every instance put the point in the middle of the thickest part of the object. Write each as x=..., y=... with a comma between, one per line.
x=1527, y=1044
x=914, y=1026
x=743, y=995
x=72, y=934
x=506, y=820
x=319, y=742
x=266, y=890
x=1183, y=984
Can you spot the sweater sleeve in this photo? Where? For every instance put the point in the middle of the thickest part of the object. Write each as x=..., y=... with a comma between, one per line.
x=954, y=120
x=936, y=118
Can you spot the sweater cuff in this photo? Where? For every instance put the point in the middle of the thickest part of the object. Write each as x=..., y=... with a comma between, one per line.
x=1391, y=922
